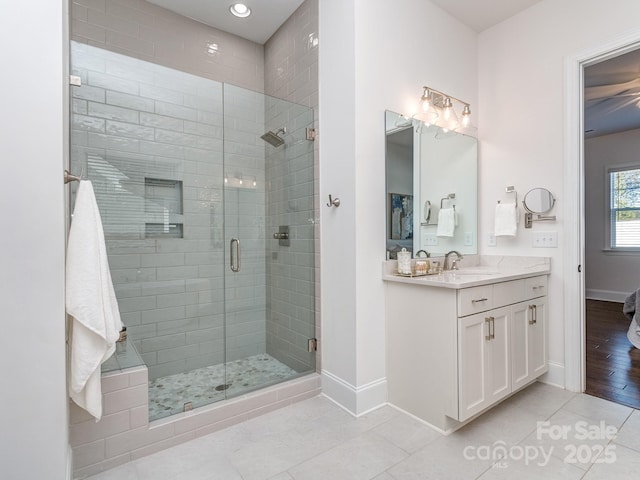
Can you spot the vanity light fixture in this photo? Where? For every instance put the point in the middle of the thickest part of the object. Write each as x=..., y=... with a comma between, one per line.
x=240, y=10
x=440, y=110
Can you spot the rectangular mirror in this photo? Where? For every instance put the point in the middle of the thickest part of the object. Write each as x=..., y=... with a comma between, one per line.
x=431, y=188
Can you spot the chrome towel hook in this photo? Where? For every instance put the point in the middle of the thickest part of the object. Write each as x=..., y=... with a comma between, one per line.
x=333, y=202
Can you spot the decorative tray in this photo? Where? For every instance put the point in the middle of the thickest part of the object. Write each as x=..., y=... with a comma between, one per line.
x=409, y=275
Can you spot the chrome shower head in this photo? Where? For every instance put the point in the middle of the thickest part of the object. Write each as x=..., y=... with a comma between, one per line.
x=273, y=138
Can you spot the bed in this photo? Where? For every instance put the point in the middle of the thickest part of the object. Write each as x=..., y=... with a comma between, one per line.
x=631, y=309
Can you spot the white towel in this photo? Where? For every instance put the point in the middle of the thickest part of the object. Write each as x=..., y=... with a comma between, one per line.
x=446, y=222
x=506, y=220
x=91, y=301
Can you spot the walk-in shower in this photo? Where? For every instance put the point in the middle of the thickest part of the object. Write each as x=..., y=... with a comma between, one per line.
x=190, y=198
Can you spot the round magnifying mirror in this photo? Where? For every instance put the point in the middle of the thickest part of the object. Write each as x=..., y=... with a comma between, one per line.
x=539, y=201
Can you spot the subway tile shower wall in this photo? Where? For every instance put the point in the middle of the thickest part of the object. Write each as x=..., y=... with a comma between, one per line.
x=291, y=298
x=167, y=124
x=142, y=30
x=171, y=291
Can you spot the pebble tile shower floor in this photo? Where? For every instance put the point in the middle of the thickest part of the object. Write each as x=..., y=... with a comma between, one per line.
x=168, y=395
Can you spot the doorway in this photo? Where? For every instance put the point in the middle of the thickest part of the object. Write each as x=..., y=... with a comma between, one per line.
x=612, y=224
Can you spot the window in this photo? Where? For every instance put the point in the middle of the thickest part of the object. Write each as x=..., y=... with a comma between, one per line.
x=624, y=208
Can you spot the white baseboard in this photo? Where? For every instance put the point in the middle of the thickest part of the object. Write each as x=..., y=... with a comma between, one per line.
x=555, y=375
x=69, y=475
x=606, y=295
x=356, y=400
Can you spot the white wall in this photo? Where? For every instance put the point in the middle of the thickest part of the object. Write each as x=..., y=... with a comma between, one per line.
x=384, y=55
x=33, y=416
x=521, y=88
x=609, y=276
x=337, y=131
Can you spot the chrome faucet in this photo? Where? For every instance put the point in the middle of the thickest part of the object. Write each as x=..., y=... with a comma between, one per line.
x=454, y=263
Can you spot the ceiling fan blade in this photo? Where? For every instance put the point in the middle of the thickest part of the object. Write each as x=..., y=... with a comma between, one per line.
x=620, y=95
x=604, y=91
x=612, y=107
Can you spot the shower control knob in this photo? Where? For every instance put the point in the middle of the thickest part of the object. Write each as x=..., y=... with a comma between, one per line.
x=282, y=235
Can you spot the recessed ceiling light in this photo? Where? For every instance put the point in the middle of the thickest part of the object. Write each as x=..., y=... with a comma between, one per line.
x=240, y=10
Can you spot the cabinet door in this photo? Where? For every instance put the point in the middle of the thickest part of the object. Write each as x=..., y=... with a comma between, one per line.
x=528, y=340
x=499, y=353
x=483, y=352
x=520, y=341
x=538, y=338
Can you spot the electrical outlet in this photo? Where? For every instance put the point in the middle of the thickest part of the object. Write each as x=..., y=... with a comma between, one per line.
x=468, y=239
x=430, y=240
x=545, y=240
x=491, y=240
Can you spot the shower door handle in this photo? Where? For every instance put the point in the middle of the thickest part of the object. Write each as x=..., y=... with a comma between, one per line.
x=235, y=267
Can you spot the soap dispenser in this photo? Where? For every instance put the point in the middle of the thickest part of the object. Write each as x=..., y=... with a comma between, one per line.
x=404, y=262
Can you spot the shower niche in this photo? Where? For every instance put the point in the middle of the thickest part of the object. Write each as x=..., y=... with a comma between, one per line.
x=188, y=186
x=163, y=208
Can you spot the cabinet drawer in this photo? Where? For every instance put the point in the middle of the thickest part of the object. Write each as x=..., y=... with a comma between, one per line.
x=506, y=293
x=536, y=286
x=475, y=300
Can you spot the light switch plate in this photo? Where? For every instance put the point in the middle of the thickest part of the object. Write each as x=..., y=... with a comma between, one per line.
x=468, y=239
x=491, y=240
x=545, y=240
x=430, y=240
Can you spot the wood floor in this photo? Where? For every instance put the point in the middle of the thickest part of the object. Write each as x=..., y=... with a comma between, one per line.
x=613, y=364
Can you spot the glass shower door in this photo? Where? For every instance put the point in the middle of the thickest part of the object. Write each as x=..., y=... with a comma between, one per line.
x=269, y=281
x=150, y=140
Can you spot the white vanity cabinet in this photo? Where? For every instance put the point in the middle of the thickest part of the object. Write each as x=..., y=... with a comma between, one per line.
x=509, y=340
x=454, y=352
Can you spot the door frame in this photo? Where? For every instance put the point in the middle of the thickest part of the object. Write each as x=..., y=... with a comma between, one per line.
x=574, y=211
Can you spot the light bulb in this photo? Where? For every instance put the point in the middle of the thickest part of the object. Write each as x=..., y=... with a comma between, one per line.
x=448, y=106
x=255, y=183
x=226, y=180
x=240, y=181
x=466, y=116
x=426, y=103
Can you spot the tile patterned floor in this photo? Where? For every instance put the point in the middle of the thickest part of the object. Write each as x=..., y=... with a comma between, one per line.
x=167, y=395
x=316, y=439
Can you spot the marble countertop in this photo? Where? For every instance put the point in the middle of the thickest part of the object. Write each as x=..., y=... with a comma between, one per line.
x=474, y=270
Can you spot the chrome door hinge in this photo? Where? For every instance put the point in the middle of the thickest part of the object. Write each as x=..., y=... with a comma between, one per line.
x=312, y=345
x=75, y=80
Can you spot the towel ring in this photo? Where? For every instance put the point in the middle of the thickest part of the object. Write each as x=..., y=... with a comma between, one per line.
x=511, y=189
x=451, y=196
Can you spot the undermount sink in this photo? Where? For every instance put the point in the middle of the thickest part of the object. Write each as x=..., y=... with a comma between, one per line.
x=475, y=271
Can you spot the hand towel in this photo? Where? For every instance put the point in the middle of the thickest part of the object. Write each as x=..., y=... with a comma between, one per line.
x=506, y=220
x=446, y=222
x=91, y=302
